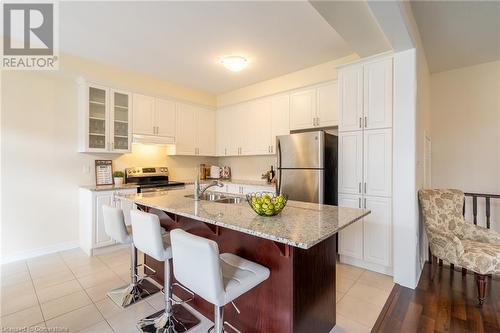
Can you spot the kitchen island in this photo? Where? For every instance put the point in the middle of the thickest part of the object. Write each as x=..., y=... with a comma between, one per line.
x=298, y=246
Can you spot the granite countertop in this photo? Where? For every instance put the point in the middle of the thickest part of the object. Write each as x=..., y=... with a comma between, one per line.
x=300, y=224
x=109, y=187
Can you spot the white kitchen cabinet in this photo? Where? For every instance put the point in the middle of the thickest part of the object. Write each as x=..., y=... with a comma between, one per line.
x=101, y=238
x=314, y=107
x=258, y=130
x=327, y=112
x=120, y=122
x=377, y=231
x=351, y=237
x=350, y=162
x=243, y=189
x=237, y=129
x=351, y=98
x=366, y=95
x=303, y=109
x=92, y=234
x=186, y=128
x=223, y=131
x=377, y=170
x=165, y=116
x=144, y=115
x=280, y=118
x=377, y=100
x=154, y=118
x=195, y=130
x=365, y=161
x=250, y=128
x=105, y=119
x=205, y=134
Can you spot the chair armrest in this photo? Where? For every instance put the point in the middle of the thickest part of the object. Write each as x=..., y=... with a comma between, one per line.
x=445, y=245
x=480, y=234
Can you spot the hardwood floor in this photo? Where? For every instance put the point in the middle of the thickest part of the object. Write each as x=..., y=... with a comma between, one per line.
x=447, y=304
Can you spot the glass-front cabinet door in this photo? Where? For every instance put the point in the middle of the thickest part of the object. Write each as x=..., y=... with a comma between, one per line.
x=121, y=128
x=106, y=119
x=97, y=118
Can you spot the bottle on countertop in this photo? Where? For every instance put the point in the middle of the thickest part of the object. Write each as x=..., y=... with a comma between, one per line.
x=272, y=174
x=202, y=172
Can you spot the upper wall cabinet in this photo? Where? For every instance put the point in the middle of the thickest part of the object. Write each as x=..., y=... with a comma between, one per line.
x=366, y=95
x=194, y=130
x=144, y=115
x=105, y=119
x=303, y=109
x=250, y=128
x=154, y=116
x=377, y=77
x=314, y=107
x=280, y=118
x=351, y=98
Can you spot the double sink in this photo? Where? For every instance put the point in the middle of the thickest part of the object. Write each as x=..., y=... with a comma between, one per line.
x=218, y=197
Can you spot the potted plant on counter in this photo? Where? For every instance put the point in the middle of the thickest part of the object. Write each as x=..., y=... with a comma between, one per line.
x=118, y=177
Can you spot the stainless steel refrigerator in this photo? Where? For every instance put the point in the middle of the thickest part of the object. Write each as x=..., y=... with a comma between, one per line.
x=307, y=167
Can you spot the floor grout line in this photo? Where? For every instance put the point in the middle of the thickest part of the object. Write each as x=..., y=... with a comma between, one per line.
x=107, y=265
x=36, y=294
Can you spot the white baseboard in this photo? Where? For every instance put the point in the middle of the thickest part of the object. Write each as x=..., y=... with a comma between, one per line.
x=366, y=265
x=23, y=255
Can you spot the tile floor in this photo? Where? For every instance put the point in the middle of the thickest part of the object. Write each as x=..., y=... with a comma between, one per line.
x=68, y=290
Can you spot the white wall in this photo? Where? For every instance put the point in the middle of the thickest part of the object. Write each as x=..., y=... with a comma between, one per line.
x=411, y=125
x=41, y=168
x=465, y=124
x=305, y=77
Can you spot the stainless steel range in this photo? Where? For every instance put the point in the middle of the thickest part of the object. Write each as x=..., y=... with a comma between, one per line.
x=151, y=179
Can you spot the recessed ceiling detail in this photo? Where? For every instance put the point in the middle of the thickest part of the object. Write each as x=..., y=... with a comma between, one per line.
x=178, y=41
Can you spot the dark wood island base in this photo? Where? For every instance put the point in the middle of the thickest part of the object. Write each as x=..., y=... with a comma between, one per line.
x=299, y=295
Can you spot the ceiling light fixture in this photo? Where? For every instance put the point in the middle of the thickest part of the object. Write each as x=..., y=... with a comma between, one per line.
x=234, y=63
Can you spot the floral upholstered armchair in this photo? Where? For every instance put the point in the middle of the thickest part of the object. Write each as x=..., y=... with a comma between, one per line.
x=456, y=241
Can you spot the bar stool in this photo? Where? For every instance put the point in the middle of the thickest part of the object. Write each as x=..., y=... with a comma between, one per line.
x=219, y=279
x=115, y=227
x=148, y=238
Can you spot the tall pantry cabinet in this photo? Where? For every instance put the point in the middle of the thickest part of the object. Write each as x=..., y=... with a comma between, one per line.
x=365, y=161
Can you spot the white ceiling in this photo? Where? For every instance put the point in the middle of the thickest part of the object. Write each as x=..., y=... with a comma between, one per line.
x=458, y=33
x=182, y=41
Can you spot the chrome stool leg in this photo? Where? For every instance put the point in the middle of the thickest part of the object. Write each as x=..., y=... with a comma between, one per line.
x=137, y=289
x=174, y=318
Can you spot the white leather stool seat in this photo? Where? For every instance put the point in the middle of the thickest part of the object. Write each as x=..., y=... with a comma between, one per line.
x=239, y=276
x=114, y=225
x=148, y=233
x=217, y=278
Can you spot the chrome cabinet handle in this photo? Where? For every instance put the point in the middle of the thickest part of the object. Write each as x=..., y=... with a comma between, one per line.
x=359, y=202
x=365, y=187
x=366, y=121
x=365, y=203
x=359, y=187
x=360, y=120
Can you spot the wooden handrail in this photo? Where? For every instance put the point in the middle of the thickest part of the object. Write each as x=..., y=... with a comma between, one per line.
x=483, y=195
x=487, y=197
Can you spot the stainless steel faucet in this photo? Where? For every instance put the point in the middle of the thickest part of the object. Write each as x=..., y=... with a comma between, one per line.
x=198, y=191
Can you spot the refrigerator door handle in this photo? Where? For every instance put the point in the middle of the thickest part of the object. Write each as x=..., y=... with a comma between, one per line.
x=278, y=169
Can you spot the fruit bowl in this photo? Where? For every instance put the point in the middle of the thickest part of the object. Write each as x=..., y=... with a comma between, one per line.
x=267, y=203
